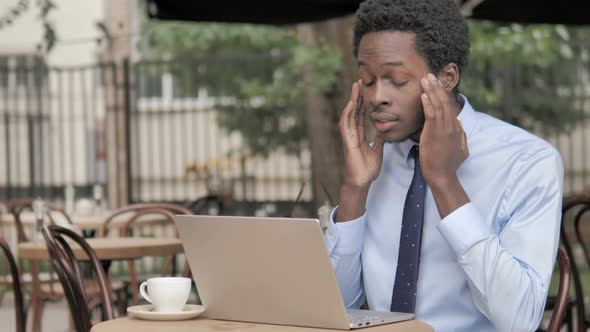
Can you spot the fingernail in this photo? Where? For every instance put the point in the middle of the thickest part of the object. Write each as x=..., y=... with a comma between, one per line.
x=425, y=81
x=425, y=96
x=431, y=77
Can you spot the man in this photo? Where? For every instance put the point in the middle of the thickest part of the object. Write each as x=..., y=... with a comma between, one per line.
x=449, y=213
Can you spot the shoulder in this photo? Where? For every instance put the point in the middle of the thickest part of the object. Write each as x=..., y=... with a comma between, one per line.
x=515, y=143
x=532, y=166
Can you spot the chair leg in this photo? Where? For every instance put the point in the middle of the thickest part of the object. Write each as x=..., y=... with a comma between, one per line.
x=38, y=307
x=133, y=281
x=122, y=299
x=2, y=293
x=71, y=325
x=569, y=318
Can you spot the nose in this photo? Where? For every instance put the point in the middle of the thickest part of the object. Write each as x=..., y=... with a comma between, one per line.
x=380, y=95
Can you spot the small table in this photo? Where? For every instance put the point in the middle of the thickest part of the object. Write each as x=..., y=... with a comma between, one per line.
x=210, y=325
x=105, y=249
x=83, y=222
x=110, y=248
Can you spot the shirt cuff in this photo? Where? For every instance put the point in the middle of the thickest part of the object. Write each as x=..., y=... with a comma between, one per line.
x=345, y=238
x=463, y=228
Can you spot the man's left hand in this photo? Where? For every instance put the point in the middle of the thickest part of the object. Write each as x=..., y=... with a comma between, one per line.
x=443, y=144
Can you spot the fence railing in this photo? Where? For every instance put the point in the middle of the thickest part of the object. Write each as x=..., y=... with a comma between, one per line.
x=54, y=133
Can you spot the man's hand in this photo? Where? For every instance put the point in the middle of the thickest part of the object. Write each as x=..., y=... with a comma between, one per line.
x=362, y=161
x=443, y=147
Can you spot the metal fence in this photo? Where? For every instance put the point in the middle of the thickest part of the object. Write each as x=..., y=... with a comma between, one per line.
x=51, y=126
x=180, y=149
x=56, y=131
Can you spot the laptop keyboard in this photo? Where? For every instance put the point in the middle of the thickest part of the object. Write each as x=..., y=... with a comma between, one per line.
x=363, y=316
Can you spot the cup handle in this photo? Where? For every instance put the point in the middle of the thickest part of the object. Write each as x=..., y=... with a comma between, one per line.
x=143, y=292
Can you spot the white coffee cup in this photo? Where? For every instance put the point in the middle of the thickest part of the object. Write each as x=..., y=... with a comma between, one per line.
x=167, y=294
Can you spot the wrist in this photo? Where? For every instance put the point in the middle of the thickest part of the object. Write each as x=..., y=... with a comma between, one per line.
x=442, y=183
x=353, y=189
x=352, y=202
x=449, y=195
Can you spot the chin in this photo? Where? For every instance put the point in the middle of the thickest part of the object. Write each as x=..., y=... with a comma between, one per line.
x=389, y=137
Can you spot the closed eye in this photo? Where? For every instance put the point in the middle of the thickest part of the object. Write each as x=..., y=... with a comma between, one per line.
x=399, y=84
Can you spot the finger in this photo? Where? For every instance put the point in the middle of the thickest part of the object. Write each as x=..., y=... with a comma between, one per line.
x=361, y=123
x=350, y=122
x=353, y=113
x=435, y=86
x=429, y=114
x=344, y=122
x=437, y=114
x=347, y=124
x=344, y=116
x=443, y=96
x=378, y=144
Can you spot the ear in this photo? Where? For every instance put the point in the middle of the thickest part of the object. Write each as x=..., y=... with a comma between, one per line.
x=449, y=76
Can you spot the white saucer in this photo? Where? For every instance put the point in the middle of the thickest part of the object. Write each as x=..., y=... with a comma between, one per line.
x=145, y=311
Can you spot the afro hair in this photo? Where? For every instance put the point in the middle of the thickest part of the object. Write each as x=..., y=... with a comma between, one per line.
x=441, y=31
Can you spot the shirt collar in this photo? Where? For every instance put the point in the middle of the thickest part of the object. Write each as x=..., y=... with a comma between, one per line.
x=466, y=116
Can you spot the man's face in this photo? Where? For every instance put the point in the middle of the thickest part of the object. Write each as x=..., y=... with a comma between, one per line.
x=390, y=69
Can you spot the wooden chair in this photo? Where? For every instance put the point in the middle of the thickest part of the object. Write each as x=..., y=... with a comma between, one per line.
x=50, y=289
x=203, y=204
x=574, y=207
x=562, y=298
x=161, y=213
x=17, y=207
x=5, y=272
x=21, y=317
x=66, y=266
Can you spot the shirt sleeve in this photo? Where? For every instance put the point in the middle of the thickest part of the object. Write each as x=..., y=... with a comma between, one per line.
x=344, y=241
x=509, y=265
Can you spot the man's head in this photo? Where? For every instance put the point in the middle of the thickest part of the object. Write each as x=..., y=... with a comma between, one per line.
x=396, y=43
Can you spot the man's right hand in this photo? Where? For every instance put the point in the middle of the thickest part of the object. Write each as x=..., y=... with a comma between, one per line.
x=362, y=161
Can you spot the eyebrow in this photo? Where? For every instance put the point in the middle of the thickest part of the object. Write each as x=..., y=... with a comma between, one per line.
x=393, y=64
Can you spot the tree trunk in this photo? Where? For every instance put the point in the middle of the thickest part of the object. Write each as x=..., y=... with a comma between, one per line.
x=323, y=111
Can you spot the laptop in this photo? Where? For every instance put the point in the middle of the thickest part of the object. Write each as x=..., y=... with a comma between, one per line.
x=268, y=270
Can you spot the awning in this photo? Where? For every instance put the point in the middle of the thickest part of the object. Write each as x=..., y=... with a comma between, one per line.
x=570, y=12
x=243, y=11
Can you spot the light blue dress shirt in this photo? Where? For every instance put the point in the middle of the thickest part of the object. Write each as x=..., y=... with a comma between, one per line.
x=486, y=266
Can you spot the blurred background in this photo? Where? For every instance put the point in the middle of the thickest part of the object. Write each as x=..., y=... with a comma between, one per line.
x=97, y=93
x=108, y=103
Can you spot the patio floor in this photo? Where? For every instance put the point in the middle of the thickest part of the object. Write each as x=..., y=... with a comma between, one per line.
x=55, y=316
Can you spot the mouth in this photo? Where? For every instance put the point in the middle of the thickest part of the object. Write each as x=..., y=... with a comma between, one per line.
x=383, y=126
x=383, y=121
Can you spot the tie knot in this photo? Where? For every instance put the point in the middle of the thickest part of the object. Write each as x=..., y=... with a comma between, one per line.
x=414, y=152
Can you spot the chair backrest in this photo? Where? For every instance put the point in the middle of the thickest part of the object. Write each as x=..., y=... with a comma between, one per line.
x=202, y=204
x=66, y=266
x=3, y=210
x=563, y=292
x=21, y=205
x=578, y=204
x=19, y=308
x=163, y=212
x=134, y=209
